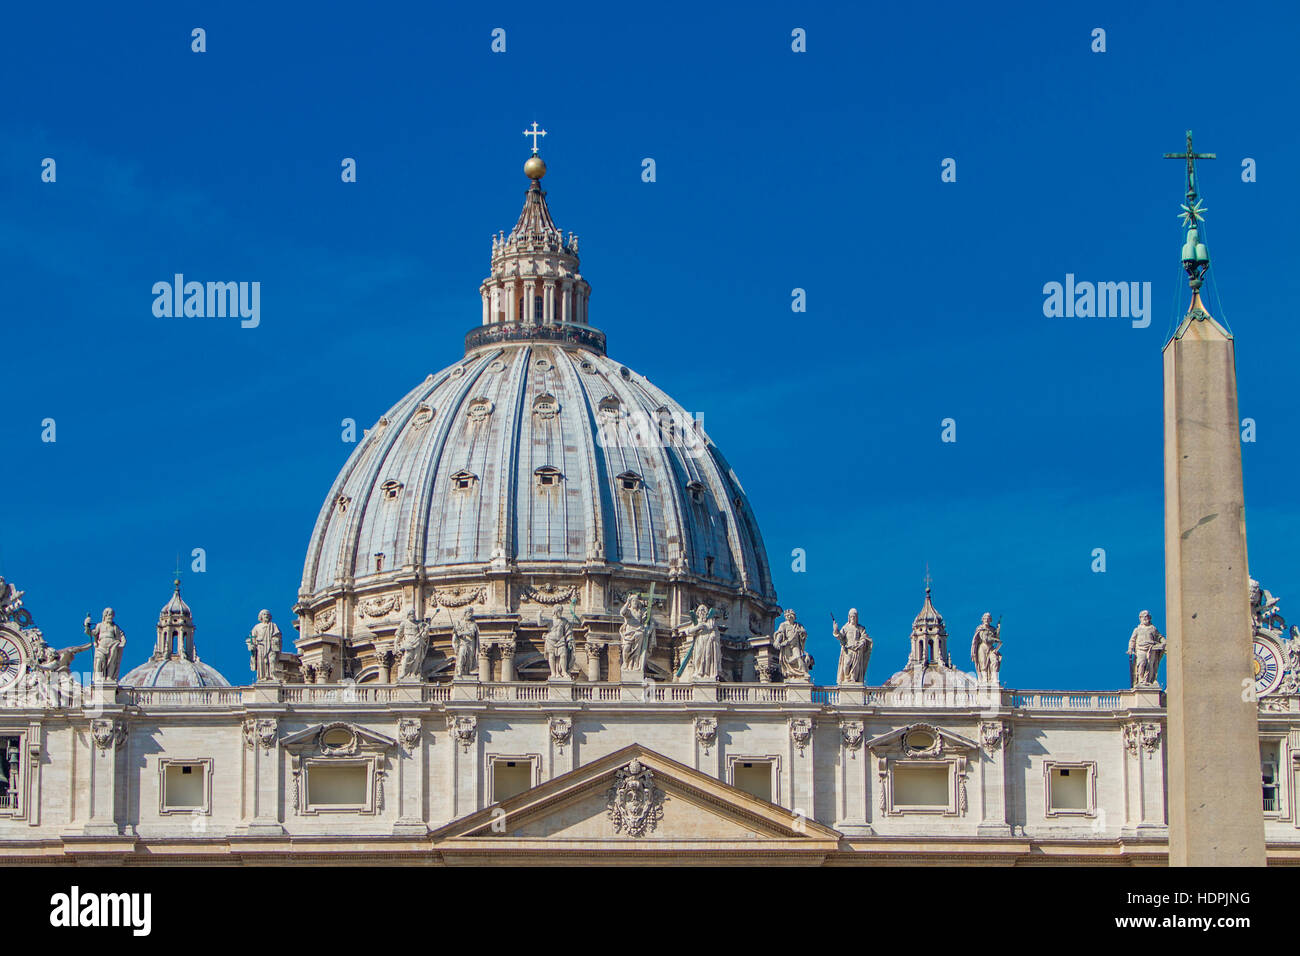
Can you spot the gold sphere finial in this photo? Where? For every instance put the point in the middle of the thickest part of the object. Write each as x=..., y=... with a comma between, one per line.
x=534, y=168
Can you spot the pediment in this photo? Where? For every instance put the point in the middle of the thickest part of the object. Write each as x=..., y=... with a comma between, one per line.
x=640, y=802
x=910, y=741
x=337, y=739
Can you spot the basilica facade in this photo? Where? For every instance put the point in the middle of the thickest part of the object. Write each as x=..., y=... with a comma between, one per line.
x=537, y=623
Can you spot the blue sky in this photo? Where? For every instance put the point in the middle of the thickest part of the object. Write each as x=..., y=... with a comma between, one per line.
x=775, y=170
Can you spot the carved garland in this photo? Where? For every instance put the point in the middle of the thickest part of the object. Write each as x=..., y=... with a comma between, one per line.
x=458, y=597
x=379, y=606
x=550, y=594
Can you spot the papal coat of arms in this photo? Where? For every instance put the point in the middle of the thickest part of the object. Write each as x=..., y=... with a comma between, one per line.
x=635, y=805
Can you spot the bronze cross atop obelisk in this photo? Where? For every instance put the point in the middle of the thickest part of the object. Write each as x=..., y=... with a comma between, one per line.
x=1191, y=156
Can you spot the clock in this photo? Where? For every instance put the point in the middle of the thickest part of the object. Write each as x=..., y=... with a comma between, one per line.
x=1268, y=666
x=13, y=661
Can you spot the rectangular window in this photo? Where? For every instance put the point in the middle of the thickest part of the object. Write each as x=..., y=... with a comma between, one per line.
x=183, y=787
x=754, y=777
x=924, y=787
x=510, y=778
x=337, y=786
x=1071, y=788
x=10, y=772
x=1269, y=758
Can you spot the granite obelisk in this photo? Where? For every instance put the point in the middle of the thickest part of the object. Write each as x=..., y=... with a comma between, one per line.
x=1215, y=804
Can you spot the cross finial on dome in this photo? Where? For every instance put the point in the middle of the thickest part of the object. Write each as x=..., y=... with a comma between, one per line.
x=927, y=579
x=534, y=133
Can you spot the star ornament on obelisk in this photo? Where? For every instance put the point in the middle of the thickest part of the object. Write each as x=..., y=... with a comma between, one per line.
x=1215, y=805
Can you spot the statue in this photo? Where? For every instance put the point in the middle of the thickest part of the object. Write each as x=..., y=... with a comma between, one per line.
x=789, y=641
x=55, y=672
x=855, y=649
x=559, y=646
x=1265, y=615
x=704, y=657
x=636, y=632
x=411, y=641
x=1146, y=647
x=263, y=644
x=464, y=640
x=109, y=639
x=984, y=650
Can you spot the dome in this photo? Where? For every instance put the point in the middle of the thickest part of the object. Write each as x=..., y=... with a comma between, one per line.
x=175, y=660
x=174, y=672
x=534, y=472
x=536, y=454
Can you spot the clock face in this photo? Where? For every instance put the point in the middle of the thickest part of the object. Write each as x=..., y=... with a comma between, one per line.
x=13, y=661
x=1268, y=667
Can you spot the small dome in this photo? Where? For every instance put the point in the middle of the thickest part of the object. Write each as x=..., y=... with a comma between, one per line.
x=174, y=672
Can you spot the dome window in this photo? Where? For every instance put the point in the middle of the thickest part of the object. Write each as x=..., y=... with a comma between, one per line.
x=696, y=490
x=546, y=407
x=391, y=489
x=630, y=481
x=548, y=477
x=479, y=409
x=464, y=480
x=610, y=407
x=343, y=501
x=423, y=415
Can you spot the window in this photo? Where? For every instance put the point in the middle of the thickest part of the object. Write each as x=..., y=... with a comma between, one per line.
x=10, y=772
x=337, y=786
x=1269, y=759
x=463, y=480
x=1071, y=789
x=379, y=561
x=185, y=786
x=511, y=776
x=921, y=786
x=629, y=481
x=391, y=488
x=696, y=490
x=537, y=308
x=754, y=777
x=547, y=477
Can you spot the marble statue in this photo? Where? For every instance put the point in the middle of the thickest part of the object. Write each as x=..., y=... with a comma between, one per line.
x=264, y=642
x=789, y=641
x=855, y=649
x=109, y=640
x=464, y=639
x=1146, y=647
x=1265, y=615
x=637, y=632
x=53, y=672
x=411, y=641
x=984, y=650
x=559, y=647
x=703, y=661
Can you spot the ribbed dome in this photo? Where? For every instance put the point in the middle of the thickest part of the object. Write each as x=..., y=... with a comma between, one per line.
x=536, y=472
x=174, y=672
x=532, y=452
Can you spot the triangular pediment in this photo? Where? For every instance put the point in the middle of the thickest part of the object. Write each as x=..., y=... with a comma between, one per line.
x=660, y=808
x=904, y=740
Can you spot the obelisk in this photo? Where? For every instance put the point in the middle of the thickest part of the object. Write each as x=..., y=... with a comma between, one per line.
x=1215, y=802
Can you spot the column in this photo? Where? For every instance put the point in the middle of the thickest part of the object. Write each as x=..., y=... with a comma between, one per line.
x=548, y=305
x=484, y=662
x=593, y=660
x=566, y=313
x=507, y=648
